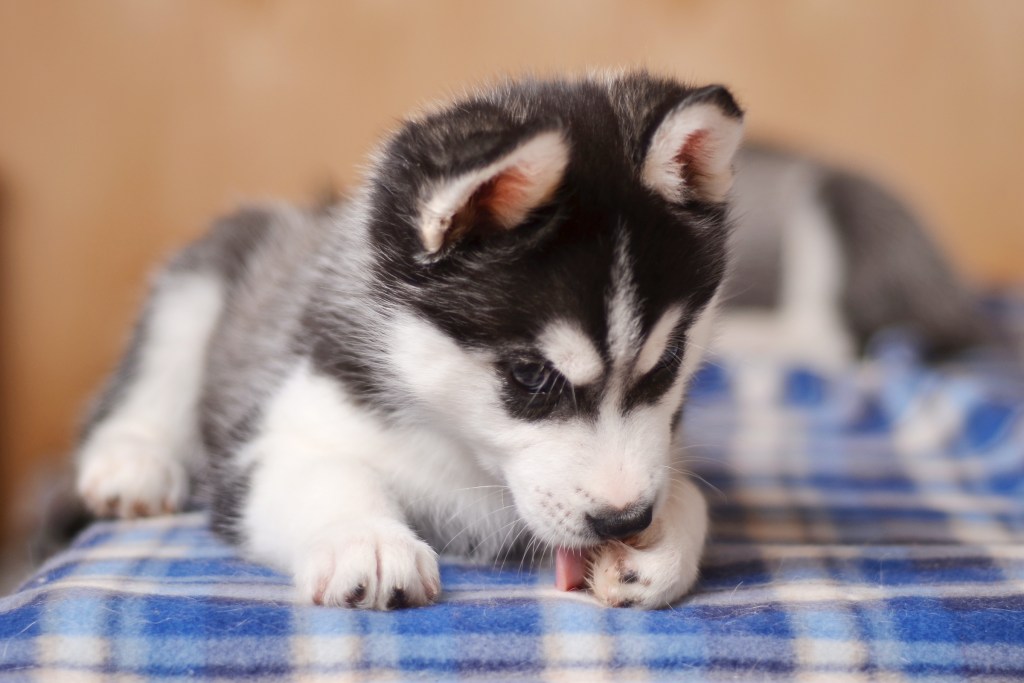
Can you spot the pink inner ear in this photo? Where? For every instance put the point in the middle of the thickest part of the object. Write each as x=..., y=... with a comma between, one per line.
x=506, y=197
x=693, y=157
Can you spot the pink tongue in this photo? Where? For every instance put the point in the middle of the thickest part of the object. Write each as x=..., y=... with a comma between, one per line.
x=570, y=569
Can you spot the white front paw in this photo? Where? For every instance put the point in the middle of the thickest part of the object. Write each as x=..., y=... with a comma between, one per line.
x=661, y=564
x=129, y=475
x=378, y=564
x=653, y=577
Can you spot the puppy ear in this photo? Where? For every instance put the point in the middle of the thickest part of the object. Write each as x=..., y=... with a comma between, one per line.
x=690, y=154
x=496, y=197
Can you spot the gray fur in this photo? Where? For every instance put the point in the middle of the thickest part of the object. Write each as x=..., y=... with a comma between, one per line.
x=222, y=253
x=253, y=345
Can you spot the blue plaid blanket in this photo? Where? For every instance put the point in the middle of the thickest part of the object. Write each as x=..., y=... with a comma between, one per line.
x=867, y=526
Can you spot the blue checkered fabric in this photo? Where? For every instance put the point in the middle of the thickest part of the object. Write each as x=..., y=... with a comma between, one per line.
x=867, y=526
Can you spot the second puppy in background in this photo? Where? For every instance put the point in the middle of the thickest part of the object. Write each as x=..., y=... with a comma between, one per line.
x=823, y=259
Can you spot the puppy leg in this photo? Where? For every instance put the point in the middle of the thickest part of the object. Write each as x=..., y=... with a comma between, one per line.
x=662, y=564
x=133, y=458
x=315, y=506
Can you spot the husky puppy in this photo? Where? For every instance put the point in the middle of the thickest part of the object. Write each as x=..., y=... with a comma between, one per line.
x=484, y=350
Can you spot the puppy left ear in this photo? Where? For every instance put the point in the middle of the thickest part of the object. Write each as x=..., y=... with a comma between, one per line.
x=498, y=196
x=690, y=154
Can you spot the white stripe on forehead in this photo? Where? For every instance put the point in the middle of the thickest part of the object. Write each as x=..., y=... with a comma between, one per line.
x=572, y=352
x=623, y=313
x=658, y=340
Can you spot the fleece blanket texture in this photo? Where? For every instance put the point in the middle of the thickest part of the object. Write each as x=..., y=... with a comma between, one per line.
x=867, y=525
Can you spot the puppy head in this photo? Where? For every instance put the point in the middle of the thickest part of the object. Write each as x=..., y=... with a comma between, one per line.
x=551, y=252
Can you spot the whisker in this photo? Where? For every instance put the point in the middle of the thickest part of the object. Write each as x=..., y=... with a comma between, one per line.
x=511, y=526
x=470, y=526
x=458, y=509
x=499, y=530
x=694, y=475
x=529, y=545
x=511, y=545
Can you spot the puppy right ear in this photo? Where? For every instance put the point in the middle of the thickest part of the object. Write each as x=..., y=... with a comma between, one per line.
x=690, y=154
x=496, y=197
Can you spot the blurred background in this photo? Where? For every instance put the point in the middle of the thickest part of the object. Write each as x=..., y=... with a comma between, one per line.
x=126, y=126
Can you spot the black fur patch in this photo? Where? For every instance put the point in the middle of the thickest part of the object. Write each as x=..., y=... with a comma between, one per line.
x=498, y=291
x=398, y=599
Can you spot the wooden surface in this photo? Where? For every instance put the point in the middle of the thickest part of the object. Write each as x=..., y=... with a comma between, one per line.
x=126, y=125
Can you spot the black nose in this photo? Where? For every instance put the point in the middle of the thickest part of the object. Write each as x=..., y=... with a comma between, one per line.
x=621, y=523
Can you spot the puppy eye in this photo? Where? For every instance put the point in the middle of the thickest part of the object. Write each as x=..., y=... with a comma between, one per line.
x=535, y=376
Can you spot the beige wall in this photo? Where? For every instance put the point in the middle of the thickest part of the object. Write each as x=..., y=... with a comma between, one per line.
x=125, y=125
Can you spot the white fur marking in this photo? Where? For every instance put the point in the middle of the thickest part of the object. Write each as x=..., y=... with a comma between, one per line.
x=657, y=340
x=138, y=456
x=571, y=352
x=623, y=325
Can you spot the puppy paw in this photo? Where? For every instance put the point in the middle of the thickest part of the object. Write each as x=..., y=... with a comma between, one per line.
x=660, y=565
x=123, y=475
x=623, y=575
x=381, y=565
